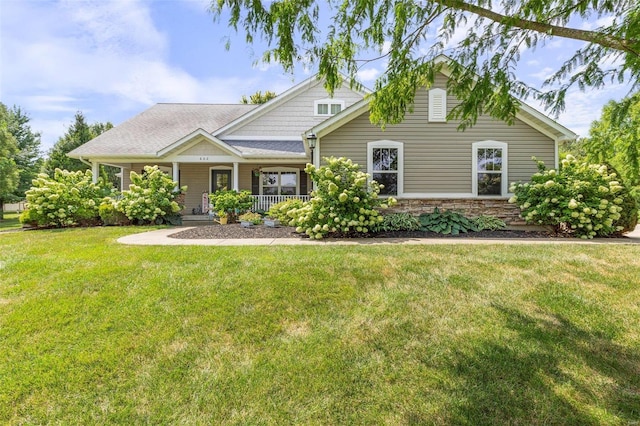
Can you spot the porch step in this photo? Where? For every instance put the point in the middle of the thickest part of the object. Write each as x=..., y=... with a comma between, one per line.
x=198, y=220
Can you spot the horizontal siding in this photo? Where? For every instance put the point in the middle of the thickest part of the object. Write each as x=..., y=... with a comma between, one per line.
x=204, y=148
x=295, y=116
x=438, y=157
x=196, y=178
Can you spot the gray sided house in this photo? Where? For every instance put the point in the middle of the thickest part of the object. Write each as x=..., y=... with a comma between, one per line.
x=424, y=162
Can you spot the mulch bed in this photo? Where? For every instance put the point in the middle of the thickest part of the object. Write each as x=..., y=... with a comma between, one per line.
x=236, y=231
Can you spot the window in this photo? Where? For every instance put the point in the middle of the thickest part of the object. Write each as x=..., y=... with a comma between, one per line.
x=328, y=107
x=385, y=164
x=438, y=105
x=489, y=168
x=279, y=182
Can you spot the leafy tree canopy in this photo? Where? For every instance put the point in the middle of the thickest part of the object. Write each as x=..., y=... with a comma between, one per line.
x=409, y=34
x=28, y=157
x=615, y=138
x=258, y=97
x=8, y=168
x=78, y=133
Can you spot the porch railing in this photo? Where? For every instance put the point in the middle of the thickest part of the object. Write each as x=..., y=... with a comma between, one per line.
x=263, y=202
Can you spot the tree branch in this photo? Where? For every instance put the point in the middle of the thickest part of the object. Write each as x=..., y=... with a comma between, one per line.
x=606, y=40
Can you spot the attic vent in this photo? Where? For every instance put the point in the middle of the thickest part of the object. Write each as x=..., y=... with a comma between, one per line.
x=438, y=105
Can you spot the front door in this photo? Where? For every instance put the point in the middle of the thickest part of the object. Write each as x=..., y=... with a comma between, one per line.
x=220, y=179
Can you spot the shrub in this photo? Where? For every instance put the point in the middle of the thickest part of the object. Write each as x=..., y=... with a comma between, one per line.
x=27, y=217
x=583, y=199
x=250, y=217
x=398, y=222
x=280, y=210
x=344, y=201
x=231, y=203
x=630, y=196
x=66, y=199
x=109, y=215
x=446, y=222
x=151, y=197
x=488, y=222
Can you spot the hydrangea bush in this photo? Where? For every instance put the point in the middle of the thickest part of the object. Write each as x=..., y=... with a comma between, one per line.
x=280, y=210
x=344, y=201
x=230, y=203
x=66, y=199
x=583, y=199
x=151, y=198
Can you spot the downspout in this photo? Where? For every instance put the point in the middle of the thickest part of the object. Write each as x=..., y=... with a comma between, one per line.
x=85, y=161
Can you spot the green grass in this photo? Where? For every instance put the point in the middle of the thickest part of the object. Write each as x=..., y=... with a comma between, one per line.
x=93, y=332
x=10, y=221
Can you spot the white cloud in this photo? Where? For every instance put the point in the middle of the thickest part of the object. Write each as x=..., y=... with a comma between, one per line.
x=368, y=74
x=582, y=108
x=94, y=55
x=603, y=21
x=49, y=103
x=543, y=74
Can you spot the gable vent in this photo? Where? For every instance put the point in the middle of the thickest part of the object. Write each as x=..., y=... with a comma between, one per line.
x=437, y=105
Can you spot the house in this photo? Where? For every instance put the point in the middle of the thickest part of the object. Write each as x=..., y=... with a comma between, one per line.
x=423, y=162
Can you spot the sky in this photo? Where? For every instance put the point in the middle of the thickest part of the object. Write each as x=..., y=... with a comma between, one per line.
x=113, y=59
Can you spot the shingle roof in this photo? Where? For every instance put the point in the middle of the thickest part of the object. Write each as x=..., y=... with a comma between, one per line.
x=270, y=147
x=158, y=127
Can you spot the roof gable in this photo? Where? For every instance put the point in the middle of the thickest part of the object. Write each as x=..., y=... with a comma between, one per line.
x=526, y=114
x=199, y=140
x=289, y=113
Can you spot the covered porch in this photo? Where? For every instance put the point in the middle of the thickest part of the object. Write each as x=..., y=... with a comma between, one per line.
x=271, y=169
x=269, y=183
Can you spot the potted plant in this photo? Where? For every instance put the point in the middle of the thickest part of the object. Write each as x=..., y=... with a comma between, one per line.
x=231, y=203
x=223, y=217
x=271, y=222
x=249, y=219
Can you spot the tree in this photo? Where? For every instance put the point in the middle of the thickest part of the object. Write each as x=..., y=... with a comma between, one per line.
x=78, y=134
x=409, y=34
x=615, y=138
x=8, y=169
x=258, y=97
x=28, y=157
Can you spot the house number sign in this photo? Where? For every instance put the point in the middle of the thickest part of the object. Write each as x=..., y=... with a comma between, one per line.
x=204, y=158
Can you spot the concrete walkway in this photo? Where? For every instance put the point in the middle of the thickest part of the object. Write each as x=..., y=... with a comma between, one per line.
x=161, y=237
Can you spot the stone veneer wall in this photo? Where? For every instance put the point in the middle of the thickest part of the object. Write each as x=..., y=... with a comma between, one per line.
x=509, y=213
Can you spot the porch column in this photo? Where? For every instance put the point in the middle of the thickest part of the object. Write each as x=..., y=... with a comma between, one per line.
x=236, y=177
x=95, y=170
x=176, y=174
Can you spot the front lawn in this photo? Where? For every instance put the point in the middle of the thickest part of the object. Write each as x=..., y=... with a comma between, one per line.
x=93, y=332
x=10, y=221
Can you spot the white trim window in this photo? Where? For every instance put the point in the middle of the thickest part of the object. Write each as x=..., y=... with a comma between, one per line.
x=489, y=176
x=437, y=106
x=385, y=163
x=280, y=181
x=327, y=107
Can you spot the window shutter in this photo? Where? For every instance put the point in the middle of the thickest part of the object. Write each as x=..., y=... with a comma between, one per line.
x=304, y=189
x=255, y=184
x=437, y=105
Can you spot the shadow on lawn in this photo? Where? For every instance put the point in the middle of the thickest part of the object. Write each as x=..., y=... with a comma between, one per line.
x=525, y=380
